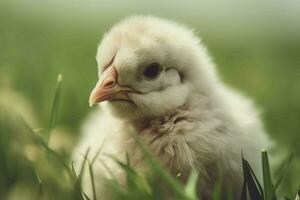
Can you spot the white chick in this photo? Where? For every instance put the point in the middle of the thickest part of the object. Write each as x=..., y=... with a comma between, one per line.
x=156, y=77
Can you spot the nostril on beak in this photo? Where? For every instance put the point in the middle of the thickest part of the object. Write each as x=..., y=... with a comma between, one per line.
x=109, y=82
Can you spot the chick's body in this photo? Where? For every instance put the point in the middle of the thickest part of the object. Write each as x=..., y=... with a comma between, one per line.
x=184, y=114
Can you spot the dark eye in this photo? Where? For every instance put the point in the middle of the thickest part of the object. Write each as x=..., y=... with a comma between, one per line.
x=152, y=70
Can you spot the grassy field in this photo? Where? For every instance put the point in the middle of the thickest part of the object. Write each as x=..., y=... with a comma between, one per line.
x=38, y=44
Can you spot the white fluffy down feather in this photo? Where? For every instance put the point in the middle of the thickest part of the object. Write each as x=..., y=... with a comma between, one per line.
x=169, y=92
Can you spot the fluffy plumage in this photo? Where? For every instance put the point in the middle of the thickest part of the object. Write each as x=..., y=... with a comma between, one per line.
x=185, y=115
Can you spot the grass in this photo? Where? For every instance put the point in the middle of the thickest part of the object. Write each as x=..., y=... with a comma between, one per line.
x=55, y=107
x=254, y=188
x=30, y=166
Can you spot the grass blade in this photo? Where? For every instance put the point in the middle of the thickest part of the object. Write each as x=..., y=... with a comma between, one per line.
x=174, y=185
x=39, y=140
x=254, y=188
x=85, y=196
x=217, y=192
x=55, y=107
x=85, y=156
x=40, y=190
x=108, y=170
x=283, y=169
x=131, y=174
x=92, y=180
x=268, y=186
x=139, y=185
x=297, y=195
x=191, y=186
x=97, y=153
x=244, y=189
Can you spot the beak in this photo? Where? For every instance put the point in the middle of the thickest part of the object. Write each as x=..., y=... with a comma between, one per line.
x=108, y=88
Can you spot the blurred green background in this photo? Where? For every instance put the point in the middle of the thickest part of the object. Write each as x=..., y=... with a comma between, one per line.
x=255, y=44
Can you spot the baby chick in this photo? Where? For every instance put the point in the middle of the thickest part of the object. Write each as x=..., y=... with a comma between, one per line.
x=156, y=77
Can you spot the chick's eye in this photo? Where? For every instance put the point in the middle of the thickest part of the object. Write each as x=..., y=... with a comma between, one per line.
x=152, y=70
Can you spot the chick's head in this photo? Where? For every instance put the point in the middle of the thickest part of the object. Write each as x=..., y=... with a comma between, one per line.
x=148, y=67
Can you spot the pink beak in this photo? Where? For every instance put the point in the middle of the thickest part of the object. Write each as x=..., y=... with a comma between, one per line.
x=108, y=88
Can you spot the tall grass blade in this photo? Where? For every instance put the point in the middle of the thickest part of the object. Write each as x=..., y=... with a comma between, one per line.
x=174, y=185
x=283, y=169
x=217, y=192
x=92, y=180
x=244, y=189
x=75, y=177
x=39, y=140
x=40, y=190
x=268, y=185
x=191, y=186
x=133, y=180
x=108, y=170
x=83, y=163
x=125, y=166
x=85, y=196
x=297, y=195
x=55, y=107
x=253, y=186
x=97, y=153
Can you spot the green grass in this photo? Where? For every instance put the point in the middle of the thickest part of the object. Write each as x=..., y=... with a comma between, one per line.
x=48, y=174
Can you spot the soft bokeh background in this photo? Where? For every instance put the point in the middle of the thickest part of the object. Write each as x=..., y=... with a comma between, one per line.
x=255, y=44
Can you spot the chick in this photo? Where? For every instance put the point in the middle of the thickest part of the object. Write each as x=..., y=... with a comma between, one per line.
x=156, y=77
